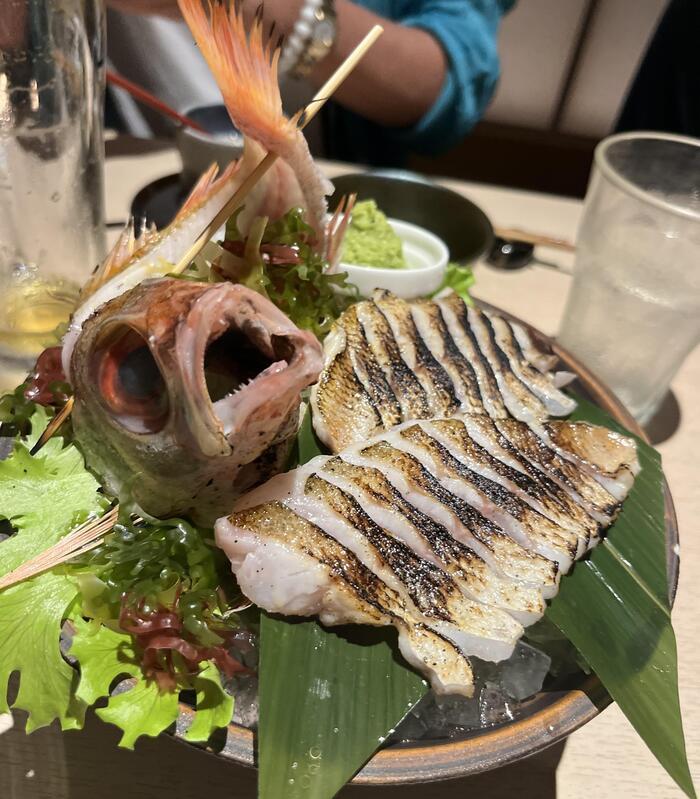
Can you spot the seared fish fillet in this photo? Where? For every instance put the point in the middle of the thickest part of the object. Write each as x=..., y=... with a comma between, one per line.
x=388, y=361
x=453, y=530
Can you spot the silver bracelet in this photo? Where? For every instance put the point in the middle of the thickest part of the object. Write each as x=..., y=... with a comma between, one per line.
x=311, y=39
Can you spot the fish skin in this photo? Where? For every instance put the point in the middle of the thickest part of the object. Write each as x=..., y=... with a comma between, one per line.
x=177, y=452
x=449, y=556
x=388, y=361
x=328, y=580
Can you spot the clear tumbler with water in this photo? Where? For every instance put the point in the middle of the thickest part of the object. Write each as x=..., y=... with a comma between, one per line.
x=51, y=165
x=633, y=312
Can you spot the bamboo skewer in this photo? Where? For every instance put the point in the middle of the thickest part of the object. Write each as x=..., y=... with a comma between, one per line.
x=304, y=117
x=84, y=538
x=53, y=425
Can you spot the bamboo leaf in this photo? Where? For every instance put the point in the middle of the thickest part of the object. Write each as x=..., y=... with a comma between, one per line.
x=341, y=694
x=614, y=608
x=328, y=698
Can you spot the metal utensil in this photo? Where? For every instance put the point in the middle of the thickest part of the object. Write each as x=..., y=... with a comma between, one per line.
x=513, y=248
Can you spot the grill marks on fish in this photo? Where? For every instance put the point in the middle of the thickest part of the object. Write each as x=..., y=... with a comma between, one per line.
x=417, y=356
x=291, y=565
x=467, y=521
x=542, y=494
x=580, y=485
x=432, y=540
x=428, y=359
x=430, y=322
x=409, y=392
x=526, y=525
x=460, y=528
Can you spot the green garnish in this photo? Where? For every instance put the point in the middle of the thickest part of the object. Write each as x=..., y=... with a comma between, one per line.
x=279, y=260
x=161, y=565
x=371, y=241
x=460, y=279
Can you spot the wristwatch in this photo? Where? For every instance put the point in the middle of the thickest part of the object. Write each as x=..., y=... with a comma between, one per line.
x=311, y=39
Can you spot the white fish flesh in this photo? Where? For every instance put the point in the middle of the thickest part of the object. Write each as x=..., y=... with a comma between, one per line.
x=388, y=361
x=464, y=530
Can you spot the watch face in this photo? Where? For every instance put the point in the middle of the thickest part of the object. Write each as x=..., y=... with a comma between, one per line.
x=325, y=32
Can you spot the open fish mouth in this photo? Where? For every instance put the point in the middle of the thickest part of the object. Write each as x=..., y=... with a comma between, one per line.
x=181, y=386
x=217, y=360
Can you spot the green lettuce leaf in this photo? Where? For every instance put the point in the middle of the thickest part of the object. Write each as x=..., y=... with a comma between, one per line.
x=140, y=710
x=460, y=279
x=31, y=615
x=43, y=497
x=214, y=705
x=104, y=656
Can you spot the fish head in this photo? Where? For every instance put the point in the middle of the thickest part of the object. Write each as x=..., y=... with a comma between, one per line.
x=180, y=382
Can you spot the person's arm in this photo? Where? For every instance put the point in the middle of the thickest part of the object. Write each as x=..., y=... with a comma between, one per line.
x=398, y=80
x=430, y=75
x=395, y=84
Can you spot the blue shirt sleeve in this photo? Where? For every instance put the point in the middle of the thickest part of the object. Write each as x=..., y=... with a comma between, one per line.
x=467, y=31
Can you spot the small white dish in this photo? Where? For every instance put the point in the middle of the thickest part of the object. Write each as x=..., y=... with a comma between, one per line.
x=426, y=256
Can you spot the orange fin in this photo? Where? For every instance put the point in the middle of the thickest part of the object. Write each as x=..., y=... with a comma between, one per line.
x=244, y=66
x=207, y=185
x=119, y=256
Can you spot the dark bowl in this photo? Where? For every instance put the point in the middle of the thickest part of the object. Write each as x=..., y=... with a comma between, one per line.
x=463, y=226
x=547, y=718
x=221, y=143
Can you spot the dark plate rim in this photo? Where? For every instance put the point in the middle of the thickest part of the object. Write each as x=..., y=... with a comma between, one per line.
x=429, y=761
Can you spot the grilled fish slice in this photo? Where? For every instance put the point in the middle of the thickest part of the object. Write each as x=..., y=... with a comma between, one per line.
x=438, y=386
x=566, y=471
x=525, y=524
x=432, y=541
x=505, y=339
x=484, y=432
x=477, y=629
x=288, y=565
x=608, y=456
x=408, y=390
x=465, y=521
x=440, y=517
x=460, y=438
x=389, y=361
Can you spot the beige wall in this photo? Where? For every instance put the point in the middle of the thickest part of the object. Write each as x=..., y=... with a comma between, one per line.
x=541, y=39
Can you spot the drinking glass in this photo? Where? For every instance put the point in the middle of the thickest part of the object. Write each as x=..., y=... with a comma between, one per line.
x=633, y=312
x=51, y=164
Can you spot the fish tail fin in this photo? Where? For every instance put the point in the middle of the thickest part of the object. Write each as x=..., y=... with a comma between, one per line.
x=244, y=65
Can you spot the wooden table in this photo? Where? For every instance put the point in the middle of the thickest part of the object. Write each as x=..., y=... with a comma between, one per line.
x=605, y=759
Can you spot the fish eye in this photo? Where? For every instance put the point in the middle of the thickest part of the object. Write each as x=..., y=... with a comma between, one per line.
x=129, y=380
